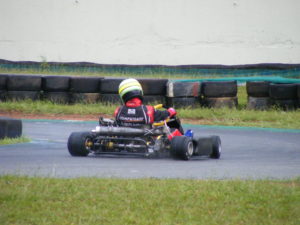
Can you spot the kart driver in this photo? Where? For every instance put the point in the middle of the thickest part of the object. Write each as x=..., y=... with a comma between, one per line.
x=133, y=113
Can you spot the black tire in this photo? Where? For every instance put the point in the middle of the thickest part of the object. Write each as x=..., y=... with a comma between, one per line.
x=154, y=99
x=182, y=147
x=85, y=84
x=153, y=86
x=3, y=79
x=55, y=83
x=283, y=91
x=285, y=104
x=183, y=89
x=215, y=89
x=258, y=88
x=57, y=97
x=110, y=99
x=11, y=128
x=258, y=103
x=204, y=146
x=77, y=143
x=188, y=102
x=298, y=91
x=110, y=85
x=22, y=95
x=87, y=98
x=216, y=147
x=3, y=95
x=24, y=83
x=229, y=102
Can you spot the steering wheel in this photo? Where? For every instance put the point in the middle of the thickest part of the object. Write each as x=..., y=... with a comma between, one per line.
x=163, y=122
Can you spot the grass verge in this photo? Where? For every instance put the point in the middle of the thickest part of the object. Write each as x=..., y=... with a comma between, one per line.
x=26, y=200
x=273, y=118
x=9, y=141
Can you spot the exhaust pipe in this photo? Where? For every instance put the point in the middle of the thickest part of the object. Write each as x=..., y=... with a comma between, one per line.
x=123, y=131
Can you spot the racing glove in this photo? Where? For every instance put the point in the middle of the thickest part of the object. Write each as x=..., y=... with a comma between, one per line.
x=172, y=112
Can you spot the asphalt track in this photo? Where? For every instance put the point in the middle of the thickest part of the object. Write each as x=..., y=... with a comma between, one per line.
x=248, y=153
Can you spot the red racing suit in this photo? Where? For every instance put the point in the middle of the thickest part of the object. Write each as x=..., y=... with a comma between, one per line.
x=135, y=114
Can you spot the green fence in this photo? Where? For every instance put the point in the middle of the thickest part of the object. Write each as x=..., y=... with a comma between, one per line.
x=182, y=71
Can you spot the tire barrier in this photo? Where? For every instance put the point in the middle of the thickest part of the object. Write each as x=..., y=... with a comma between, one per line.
x=10, y=128
x=221, y=102
x=284, y=96
x=186, y=102
x=110, y=85
x=109, y=90
x=23, y=87
x=258, y=103
x=69, y=89
x=110, y=99
x=298, y=94
x=218, y=89
x=24, y=83
x=154, y=86
x=85, y=89
x=258, y=95
x=23, y=95
x=154, y=99
x=55, y=83
x=85, y=84
x=3, y=79
x=89, y=98
x=183, y=94
x=218, y=94
x=154, y=90
x=56, y=89
x=57, y=97
x=258, y=88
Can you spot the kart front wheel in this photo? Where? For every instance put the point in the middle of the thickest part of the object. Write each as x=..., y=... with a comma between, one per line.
x=80, y=143
x=182, y=147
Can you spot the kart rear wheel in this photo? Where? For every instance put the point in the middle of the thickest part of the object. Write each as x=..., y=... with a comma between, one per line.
x=182, y=147
x=216, y=147
x=80, y=143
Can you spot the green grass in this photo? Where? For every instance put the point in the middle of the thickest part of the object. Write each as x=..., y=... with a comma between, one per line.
x=147, y=201
x=9, y=141
x=145, y=72
x=273, y=118
x=133, y=74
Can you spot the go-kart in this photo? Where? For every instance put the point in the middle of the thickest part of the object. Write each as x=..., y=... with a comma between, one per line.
x=151, y=141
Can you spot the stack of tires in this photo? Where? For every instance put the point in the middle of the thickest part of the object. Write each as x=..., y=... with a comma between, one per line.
x=3, y=79
x=258, y=95
x=154, y=90
x=22, y=87
x=284, y=96
x=109, y=88
x=298, y=94
x=10, y=128
x=85, y=89
x=218, y=94
x=56, y=89
x=183, y=94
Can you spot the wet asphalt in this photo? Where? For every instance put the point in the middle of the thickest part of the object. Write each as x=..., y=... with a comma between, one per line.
x=246, y=154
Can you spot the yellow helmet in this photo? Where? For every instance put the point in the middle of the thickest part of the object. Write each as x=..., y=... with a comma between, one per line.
x=130, y=88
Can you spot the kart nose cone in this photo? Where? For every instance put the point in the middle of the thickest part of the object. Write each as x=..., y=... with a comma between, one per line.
x=189, y=133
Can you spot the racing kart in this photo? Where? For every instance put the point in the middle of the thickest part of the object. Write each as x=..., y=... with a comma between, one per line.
x=151, y=141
